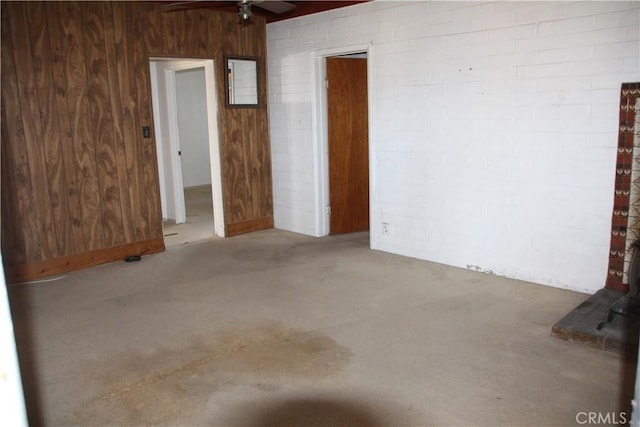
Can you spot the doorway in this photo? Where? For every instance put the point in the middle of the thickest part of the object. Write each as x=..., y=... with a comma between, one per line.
x=348, y=143
x=185, y=118
x=323, y=211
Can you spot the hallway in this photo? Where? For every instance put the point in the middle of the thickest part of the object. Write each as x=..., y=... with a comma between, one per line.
x=199, y=226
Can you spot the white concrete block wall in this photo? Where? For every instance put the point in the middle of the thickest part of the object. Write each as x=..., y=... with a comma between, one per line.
x=493, y=134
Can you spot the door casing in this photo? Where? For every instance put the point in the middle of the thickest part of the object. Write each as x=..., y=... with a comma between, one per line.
x=347, y=106
x=171, y=140
x=320, y=135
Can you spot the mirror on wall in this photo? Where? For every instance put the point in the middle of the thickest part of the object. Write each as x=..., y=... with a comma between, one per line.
x=241, y=77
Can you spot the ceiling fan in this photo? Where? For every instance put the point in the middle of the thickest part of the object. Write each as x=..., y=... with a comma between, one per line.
x=244, y=6
x=272, y=6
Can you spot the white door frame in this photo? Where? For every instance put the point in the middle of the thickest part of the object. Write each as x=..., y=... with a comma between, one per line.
x=173, y=139
x=174, y=143
x=320, y=133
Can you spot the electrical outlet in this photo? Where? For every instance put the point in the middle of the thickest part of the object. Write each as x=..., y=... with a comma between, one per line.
x=386, y=229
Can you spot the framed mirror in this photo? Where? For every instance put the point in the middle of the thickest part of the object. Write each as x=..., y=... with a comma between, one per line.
x=241, y=79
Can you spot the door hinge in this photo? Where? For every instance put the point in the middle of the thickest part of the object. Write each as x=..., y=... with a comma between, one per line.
x=328, y=210
x=326, y=83
x=179, y=152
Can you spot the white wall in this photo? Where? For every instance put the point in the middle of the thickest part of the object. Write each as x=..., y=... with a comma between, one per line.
x=11, y=395
x=193, y=129
x=493, y=129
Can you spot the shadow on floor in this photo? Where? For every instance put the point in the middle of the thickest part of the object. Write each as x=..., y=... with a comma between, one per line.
x=314, y=411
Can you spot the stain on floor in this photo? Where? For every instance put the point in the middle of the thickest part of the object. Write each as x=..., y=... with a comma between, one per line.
x=146, y=389
x=317, y=412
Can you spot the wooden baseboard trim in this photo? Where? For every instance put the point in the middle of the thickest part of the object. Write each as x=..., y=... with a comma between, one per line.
x=38, y=270
x=249, y=226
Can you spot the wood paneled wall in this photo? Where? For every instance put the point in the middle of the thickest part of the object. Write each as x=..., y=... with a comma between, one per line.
x=79, y=182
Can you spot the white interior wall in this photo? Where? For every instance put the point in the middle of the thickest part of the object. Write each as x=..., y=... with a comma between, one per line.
x=192, y=122
x=493, y=129
x=11, y=394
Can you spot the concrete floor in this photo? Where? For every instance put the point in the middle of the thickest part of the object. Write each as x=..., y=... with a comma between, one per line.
x=198, y=202
x=275, y=328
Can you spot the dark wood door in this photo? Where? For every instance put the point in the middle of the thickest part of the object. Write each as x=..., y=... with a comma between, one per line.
x=348, y=135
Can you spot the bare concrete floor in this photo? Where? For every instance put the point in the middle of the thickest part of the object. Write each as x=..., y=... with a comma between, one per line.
x=198, y=203
x=274, y=328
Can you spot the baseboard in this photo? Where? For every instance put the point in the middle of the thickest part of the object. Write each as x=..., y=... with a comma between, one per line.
x=38, y=270
x=249, y=226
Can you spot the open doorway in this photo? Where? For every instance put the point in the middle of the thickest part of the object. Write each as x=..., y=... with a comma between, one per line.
x=185, y=111
x=195, y=158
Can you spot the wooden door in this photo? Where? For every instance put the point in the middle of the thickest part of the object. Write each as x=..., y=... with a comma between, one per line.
x=348, y=135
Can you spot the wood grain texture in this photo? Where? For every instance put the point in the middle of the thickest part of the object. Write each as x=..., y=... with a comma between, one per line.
x=169, y=38
x=57, y=46
x=99, y=99
x=75, y=70
x=249, y=226
x=77, y=175
x=151, y=22
x=202, y=43
x=123, y=21
x=191, y=37
x=117, y=123
x=52, y=148
x=45, y=245
x=11, y=203
x=348, y=142
x=51, y=267
x=20, y=226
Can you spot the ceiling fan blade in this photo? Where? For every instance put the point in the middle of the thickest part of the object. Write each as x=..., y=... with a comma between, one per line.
x=181, y=5
x=274, y=6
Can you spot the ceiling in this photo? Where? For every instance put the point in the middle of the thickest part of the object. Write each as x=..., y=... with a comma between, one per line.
x=301, y=7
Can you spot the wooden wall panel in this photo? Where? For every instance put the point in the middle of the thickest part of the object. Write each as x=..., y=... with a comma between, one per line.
x=190, y=47
x=21, y=227
x=46, y=246
x=102, y=135
x=118, y=128
x=202, y=45
x=78, y=178
x=142, y=118
x=123, y=22
x=169, y=39
x=52, y=151
x=83, y=147
x=71, y=177
x=149, y=41
x=7, y=203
